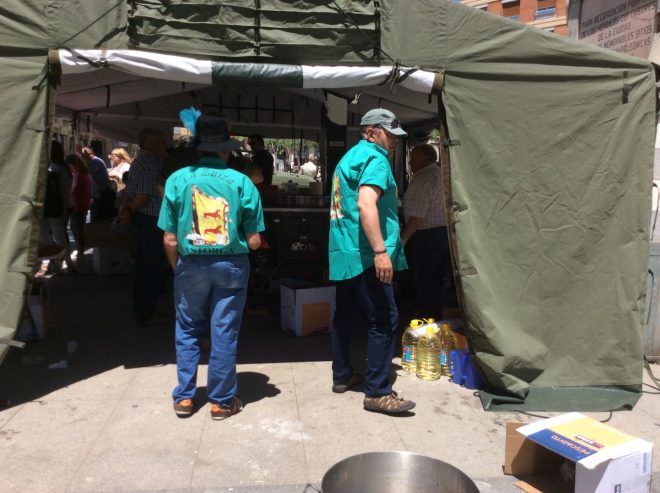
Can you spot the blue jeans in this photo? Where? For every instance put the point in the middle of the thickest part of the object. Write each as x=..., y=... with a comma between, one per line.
x=149, y=265
x=378, y=304
x=209, y=290
x=431, y=266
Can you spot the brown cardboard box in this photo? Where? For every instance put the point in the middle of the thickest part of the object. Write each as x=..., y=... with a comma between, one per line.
x=306, y=309
x=572, y=453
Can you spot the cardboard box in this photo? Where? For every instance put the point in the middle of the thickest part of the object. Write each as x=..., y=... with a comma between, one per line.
x=306, y=309
x=108, y=261
x=575, y=453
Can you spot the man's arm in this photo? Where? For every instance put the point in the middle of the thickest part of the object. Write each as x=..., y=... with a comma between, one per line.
x=367, y=197
x=412, y=225
x=171, y=248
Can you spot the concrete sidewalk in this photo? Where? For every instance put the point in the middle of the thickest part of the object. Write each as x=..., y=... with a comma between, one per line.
x=105, y=423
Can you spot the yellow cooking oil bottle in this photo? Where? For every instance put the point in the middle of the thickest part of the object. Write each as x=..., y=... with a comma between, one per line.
x=409, y=345
x=428, y=354
x=447, y=343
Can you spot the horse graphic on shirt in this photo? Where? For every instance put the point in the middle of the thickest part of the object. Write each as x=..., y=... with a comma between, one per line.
x=211, y=218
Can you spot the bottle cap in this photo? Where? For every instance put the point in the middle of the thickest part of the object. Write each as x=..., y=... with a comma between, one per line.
x=416, y=323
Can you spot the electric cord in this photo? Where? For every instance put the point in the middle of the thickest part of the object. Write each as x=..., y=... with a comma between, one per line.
x=657, y=206
x=647, y=365
x=610, y=414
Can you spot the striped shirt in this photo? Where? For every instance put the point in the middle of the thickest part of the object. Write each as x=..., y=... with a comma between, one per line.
x=142, y=180
x=425, y=198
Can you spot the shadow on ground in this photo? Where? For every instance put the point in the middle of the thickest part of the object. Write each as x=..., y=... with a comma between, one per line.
x=95, y=312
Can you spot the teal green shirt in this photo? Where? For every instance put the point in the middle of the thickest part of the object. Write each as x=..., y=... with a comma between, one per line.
x=210, y=208
x=349, y=250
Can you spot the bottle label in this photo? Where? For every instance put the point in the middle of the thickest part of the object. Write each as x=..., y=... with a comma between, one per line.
x=443, y=358
x=407, y=353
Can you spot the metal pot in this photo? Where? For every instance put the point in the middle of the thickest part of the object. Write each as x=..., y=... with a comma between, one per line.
x=395, y=472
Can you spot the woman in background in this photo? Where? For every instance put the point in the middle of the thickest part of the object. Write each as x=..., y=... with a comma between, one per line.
x=81, y=195
x=121, y=163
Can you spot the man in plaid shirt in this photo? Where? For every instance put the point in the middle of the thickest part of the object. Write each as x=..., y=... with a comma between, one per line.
x=140, y=209
x=426, y=230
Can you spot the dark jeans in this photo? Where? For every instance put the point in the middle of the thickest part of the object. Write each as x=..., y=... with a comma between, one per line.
x=149, y=265
x=431, y=264
x=378, y=304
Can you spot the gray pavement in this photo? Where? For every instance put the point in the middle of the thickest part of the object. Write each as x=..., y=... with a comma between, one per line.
x=105, y=423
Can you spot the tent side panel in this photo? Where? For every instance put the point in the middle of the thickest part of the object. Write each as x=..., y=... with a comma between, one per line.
x=23, y=154
x=305, y=31
x=44, y=24
x=551, y=179
x=415, y=36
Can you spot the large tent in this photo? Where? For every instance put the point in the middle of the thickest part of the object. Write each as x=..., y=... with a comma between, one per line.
x=549, y=150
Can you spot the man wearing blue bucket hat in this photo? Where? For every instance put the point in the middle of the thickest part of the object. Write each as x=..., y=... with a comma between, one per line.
x=211, y=216
x=364, y=251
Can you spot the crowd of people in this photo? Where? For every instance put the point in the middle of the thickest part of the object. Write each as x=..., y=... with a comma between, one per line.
x=77, y=185
x=198, y=209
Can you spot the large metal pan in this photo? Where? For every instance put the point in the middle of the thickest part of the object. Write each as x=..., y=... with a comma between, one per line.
x=395, y=472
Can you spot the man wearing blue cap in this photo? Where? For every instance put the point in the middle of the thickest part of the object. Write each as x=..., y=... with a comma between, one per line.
x=364, y=251
x=211, y=216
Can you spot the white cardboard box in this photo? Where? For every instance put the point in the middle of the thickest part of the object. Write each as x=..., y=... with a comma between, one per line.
x=575, y=453
x=112, y=261
x=306, y=309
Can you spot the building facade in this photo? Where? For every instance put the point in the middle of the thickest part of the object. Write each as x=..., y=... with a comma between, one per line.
x=549, y=15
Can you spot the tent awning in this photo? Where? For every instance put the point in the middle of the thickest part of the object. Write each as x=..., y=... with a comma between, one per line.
x=182, y=69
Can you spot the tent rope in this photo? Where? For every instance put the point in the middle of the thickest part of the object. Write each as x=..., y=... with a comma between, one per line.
x=103, y=63
x=257, y=27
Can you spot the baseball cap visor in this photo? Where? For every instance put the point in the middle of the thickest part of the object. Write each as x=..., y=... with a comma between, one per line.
x=398, y=131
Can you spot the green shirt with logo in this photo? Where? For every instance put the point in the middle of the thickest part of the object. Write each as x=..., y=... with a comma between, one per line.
x=210, y=208
x=349, y=250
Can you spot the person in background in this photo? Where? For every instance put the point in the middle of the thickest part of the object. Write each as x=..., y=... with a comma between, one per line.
x=103, y=195
x=261, y=157
x=56, y=209
x=211, y=216
x=364, y=251
x=140, y=208
x=426, y=230
x=121, y=163
x=295, y=165
x=310, y=167
x=81, y=194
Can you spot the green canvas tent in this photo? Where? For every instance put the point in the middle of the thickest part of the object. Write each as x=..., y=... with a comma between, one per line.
x=550, y=149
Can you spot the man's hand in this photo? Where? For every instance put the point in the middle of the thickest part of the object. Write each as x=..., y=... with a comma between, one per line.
x=171, y=248
x=383, y=267
x=253, y=240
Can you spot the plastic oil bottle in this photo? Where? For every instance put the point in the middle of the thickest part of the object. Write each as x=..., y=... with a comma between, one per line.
x=447, y=344
x=409, y=346
x=428, y=355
